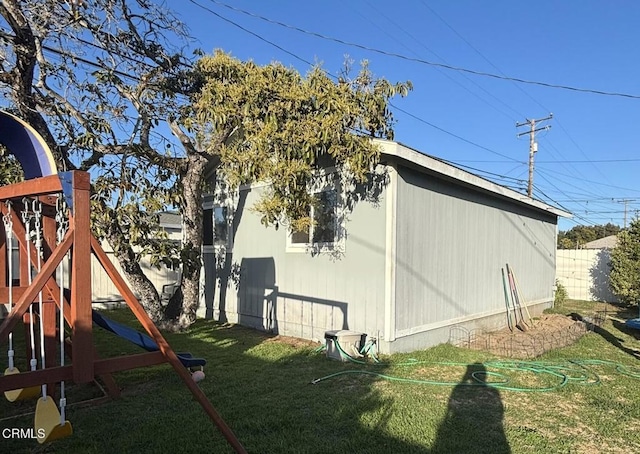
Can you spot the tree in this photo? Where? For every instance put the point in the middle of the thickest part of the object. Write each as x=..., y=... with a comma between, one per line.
x=268, y=123
x=581, y=234
x=625, y=265
x=87, y=79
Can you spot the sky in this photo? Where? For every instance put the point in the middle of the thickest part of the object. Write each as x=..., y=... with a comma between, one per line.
x=576, y=60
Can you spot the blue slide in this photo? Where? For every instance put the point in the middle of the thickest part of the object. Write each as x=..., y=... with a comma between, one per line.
x=140, y=339
x=633, y=323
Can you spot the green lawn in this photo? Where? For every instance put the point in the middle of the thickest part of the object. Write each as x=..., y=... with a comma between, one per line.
x=414, y=403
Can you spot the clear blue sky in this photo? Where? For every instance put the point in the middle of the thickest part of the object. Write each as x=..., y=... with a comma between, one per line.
x=587, y=162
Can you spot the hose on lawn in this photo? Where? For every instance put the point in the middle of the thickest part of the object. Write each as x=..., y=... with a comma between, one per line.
x=572, y=371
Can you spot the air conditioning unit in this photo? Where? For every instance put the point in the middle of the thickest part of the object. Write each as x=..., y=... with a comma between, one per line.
x=341, y=343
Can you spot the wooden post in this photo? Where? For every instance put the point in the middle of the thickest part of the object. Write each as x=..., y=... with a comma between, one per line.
x=81, y=281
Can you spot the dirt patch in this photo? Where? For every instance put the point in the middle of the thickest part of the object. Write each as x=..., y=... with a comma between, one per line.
x=547, y=332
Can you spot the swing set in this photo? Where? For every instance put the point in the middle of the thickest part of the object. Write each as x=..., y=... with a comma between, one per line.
x=48, y=217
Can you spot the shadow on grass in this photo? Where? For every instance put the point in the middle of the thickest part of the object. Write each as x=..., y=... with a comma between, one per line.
x=473, y=422
x=610, y=337
x=261, y=386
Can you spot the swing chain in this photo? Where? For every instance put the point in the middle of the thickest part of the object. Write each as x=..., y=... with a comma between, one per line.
x=36, y=207
x=61, y=219
x=26, y=215
x=8, y=223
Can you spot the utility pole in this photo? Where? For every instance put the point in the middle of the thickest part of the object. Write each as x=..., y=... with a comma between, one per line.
x=625, y=201
x=533, y=146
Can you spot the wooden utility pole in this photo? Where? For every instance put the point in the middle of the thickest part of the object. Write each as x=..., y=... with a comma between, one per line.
x=533, y=146
x=625, y=201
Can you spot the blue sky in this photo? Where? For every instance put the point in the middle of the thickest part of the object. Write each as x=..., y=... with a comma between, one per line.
x=587, y=162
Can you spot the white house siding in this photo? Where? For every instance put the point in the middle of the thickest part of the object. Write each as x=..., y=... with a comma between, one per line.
x=297, y=293
x=452, y=242
x=585, y=274
x=102, y=288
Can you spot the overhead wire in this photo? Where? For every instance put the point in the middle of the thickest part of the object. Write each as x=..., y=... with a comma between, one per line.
x=419, y=60
x=404, y=30
x=557, y=120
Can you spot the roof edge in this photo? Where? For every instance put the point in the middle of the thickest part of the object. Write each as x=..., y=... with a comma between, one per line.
x=427, y=162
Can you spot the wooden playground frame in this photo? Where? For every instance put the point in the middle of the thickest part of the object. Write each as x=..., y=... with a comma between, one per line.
x=85, y=366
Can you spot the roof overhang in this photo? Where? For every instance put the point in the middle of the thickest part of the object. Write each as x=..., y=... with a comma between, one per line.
x=448, y=171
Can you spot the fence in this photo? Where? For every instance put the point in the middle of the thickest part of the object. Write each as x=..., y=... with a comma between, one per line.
x=585, y=274
x=103, y=290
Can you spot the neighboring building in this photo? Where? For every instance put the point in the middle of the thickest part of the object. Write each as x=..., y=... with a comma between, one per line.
x=421, y=253
x=608, y=242
x=163, y=278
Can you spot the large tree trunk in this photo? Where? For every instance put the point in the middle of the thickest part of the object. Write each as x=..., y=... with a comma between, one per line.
x=140, y=283
x=192, y=234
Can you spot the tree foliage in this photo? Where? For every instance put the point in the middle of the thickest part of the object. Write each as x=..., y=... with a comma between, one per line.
x=101, y=82
x=581, y=234
x=88, y=79
x=625, y=265
x=270, y=123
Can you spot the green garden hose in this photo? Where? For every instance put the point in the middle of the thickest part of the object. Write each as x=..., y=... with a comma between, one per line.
x=571, y=371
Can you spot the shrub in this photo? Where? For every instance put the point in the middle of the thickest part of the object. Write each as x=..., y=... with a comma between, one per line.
x=561, y=294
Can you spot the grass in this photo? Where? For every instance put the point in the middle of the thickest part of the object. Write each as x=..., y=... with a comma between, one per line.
x=262, y=388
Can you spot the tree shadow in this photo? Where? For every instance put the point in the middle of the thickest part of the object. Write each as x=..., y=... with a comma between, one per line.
x=263, y=393
x=599, y=272
x=608, y=336
x=474, y=419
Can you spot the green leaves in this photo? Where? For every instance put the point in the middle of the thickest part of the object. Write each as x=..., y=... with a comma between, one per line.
x=625, y=265
x=286, y=125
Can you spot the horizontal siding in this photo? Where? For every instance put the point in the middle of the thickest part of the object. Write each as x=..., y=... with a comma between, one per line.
x=298, y=293
x=452, y=243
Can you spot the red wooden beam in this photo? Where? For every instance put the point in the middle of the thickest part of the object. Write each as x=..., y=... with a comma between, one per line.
x=57, y=374
x=165, y=349
x=36, y=186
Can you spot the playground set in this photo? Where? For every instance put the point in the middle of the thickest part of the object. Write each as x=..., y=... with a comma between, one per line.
x=48, y=216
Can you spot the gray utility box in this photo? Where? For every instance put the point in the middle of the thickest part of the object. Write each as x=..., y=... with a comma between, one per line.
x=350, y=342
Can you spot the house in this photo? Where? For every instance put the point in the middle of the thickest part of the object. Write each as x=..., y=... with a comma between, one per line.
x=608, y=242
x=417, y=252
x=164, y=278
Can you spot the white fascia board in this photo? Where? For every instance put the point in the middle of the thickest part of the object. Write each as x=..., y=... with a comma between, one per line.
x=401, y=151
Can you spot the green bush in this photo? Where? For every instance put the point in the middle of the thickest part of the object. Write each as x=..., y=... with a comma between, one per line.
x=625, y=265
x=561, y=294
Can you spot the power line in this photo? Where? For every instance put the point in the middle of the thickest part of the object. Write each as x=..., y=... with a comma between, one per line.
x=235, y=24
x=404, y=57
x=415, y=117
x=404, y=30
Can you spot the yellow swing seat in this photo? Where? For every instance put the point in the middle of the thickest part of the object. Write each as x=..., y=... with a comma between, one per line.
x=22, y=393
x=47, y=425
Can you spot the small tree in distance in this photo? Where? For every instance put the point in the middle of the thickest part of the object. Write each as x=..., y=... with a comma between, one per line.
x=625, y=265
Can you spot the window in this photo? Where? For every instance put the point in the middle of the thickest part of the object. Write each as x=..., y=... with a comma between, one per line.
x=216, y=227
x=220, y=226
x=323, y=231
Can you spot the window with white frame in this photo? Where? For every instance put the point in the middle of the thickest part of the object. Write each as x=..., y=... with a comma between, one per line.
x=323, y=230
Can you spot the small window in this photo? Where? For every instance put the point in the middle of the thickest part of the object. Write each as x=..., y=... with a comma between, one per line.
x=216, y=226
x=324, y=222
x=220, y=226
